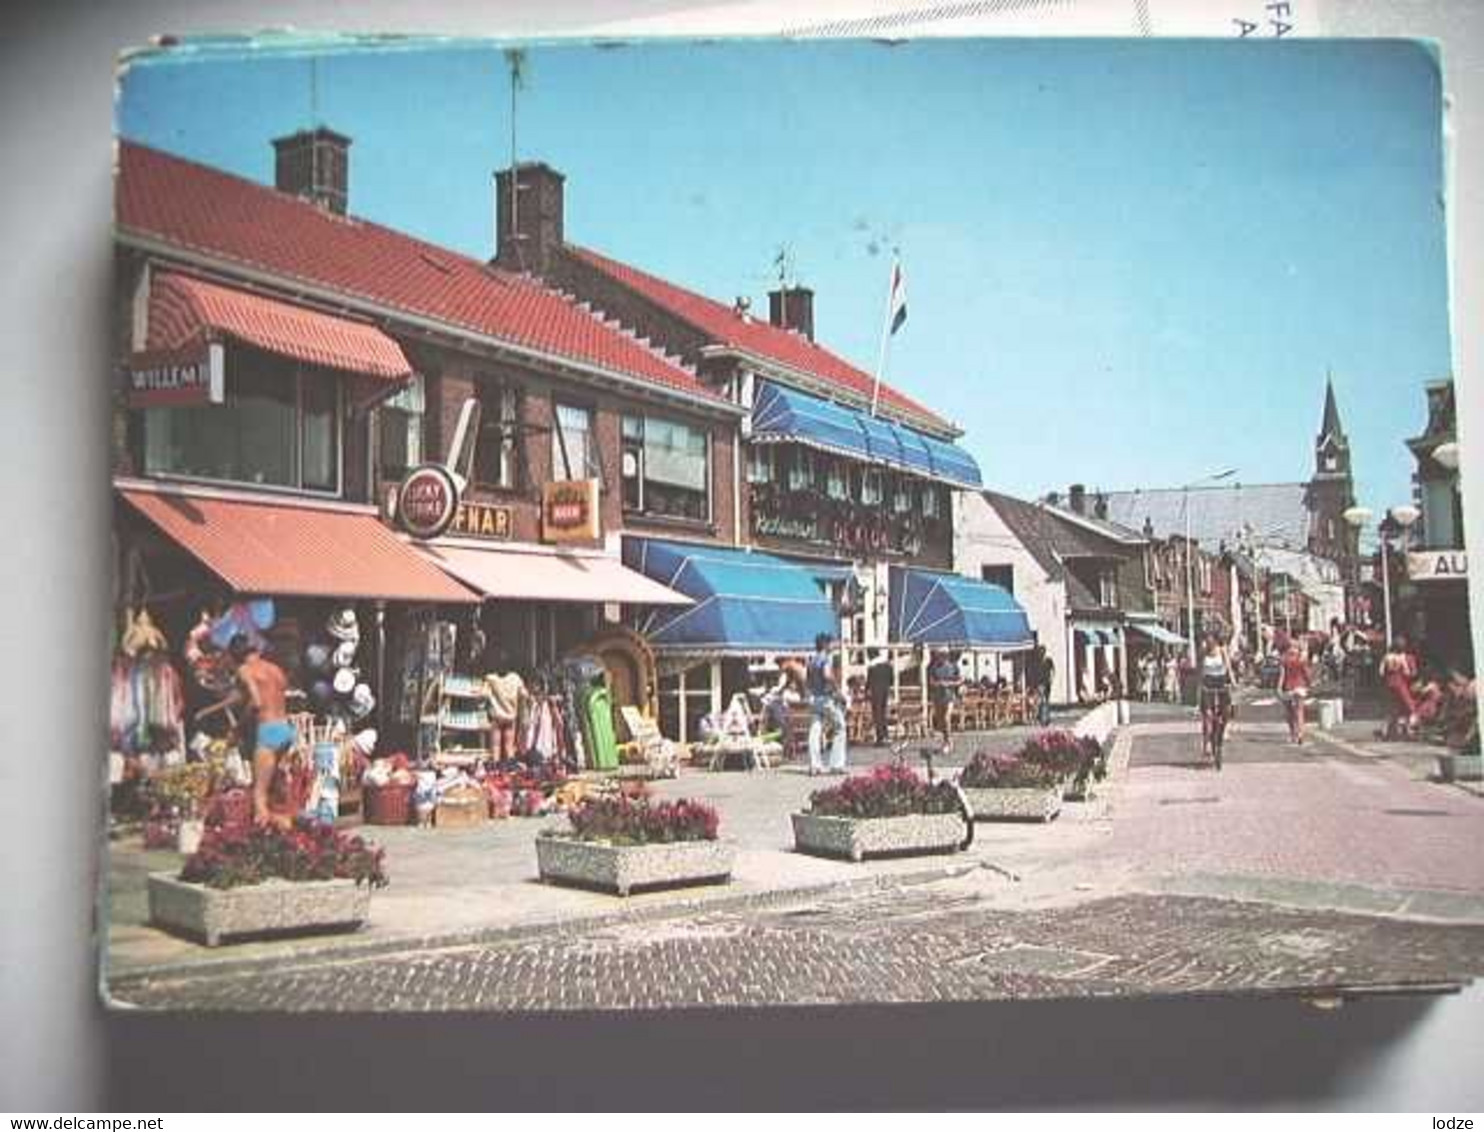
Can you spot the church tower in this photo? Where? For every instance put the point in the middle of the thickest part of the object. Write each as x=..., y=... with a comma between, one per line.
x=1331, y=490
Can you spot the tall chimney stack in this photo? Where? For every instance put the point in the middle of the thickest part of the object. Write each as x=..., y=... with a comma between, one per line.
x=528, y=228
x=1077, y=498
x=792, y=308
x=314, y=164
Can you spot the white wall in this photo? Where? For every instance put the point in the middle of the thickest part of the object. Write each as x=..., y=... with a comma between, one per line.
x=981, y=538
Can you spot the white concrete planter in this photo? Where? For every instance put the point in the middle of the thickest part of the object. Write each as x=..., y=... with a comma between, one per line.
x=1016, y=803
x=273, y=906
x=858, y=838
x=623, y=868
x=1330, y=712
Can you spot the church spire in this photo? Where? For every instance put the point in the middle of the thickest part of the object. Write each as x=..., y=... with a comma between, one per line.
x=1331, y=425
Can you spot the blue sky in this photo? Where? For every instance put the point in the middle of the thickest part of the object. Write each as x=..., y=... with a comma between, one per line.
x=1128, y=262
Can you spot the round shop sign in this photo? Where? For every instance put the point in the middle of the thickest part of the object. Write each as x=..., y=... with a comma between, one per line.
x=427, y=501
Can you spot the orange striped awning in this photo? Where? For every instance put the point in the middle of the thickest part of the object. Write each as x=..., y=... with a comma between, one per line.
x=184, y=311
x=295, y=550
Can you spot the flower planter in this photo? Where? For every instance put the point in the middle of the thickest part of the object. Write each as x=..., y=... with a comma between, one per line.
x=623, y=868
x=858, y=838
x=273, y=906
x=1016, y=803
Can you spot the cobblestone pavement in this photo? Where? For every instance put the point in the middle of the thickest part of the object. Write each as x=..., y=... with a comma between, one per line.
x=1257, y=879
x=910, y=945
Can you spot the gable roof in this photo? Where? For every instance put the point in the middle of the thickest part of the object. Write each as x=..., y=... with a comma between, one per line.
x=764, y=340
x=1270, y=513
x=1050, y=538
x=190, y=208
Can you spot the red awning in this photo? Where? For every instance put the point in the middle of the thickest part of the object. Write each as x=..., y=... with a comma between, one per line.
x=290, y=549
x=183, y=311
x=550, y=575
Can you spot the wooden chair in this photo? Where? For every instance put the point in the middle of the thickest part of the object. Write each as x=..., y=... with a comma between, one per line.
x=974, y=712
x=796, y=732
x=907, y=715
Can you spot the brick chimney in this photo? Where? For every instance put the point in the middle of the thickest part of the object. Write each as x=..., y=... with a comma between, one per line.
x=528, y=228
x=314, y=164
x=792, y=308
x=1077, y=498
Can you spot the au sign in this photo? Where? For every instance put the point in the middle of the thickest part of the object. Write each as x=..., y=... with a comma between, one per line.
x=1436, y=565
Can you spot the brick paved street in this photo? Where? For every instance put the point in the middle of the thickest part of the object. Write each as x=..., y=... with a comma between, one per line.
x=1285, y=871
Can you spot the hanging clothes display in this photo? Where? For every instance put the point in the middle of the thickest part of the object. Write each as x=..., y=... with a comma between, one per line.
x=146, y=705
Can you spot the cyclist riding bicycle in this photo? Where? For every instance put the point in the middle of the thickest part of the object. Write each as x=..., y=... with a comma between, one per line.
x=1216, y=700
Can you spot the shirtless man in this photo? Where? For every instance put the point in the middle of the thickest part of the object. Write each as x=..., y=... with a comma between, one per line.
x=261, y=685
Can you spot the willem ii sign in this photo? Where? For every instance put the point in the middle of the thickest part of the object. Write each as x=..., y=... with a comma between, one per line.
x=164, y=378
x=1436, y=565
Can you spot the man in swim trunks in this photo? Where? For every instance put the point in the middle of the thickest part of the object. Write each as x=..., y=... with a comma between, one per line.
x=262, y=686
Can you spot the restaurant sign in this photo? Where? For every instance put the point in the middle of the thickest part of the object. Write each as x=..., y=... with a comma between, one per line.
x=1437, y=565
x=481, y=520
x=169, y=378
x=428, y=501
x=569, y=511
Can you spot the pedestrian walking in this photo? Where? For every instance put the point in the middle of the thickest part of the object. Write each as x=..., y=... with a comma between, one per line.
x=1042, y=670
x=944, y=682
x=878, y=688
x=1293, y=685
x=825, y=699
x=1172, y=678
x=1398, y=670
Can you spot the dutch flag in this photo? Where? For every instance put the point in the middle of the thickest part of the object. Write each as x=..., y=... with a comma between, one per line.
x=898, y=298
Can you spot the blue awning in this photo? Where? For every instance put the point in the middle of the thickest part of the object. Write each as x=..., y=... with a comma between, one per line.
x=951, y=611
x=745, y=602
x=780, y=414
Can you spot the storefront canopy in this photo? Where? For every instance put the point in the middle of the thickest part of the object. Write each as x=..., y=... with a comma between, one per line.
x=549, y=576
x=745, y=602
x=292, y=549
x=184, y=310
x=1157, y=633
x=951, y=611
x=783, y=415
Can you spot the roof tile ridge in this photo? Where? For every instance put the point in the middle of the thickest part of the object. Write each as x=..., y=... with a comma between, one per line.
x=614, y=325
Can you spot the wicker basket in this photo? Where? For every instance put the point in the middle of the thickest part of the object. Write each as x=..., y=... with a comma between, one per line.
x=387, y=805
x=460, y=808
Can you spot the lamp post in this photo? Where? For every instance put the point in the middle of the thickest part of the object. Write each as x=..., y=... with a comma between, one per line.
x=1401, y=518
x=1189, y=569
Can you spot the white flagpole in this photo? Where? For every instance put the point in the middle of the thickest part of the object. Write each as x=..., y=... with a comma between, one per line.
x=891, y=280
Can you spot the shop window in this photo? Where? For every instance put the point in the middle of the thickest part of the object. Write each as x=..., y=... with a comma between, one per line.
x=399, y=431
x=872, y=489
x=666, y=468
x=573, y=454
x=834, y=482
x=279, y=427
x=685, y=699
x=497, y=445
x=932, y=497
x=761, y=466
x=801, y=470
x=1108, y=588
x=901, y=497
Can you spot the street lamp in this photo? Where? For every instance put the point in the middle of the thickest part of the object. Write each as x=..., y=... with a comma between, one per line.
x=1446, y=454
x=1401, y=517
x=1189, y=571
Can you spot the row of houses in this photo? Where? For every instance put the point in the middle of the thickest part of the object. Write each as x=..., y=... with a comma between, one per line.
x=587, y=456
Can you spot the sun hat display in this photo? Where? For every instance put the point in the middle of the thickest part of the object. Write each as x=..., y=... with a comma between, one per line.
x=141, y=635
x=362, y=702
x=345, y=654
x=343, y=625
x=321, y=693
x=365, y=741
x=345, y=680
x=317, y=657
x=262, y=612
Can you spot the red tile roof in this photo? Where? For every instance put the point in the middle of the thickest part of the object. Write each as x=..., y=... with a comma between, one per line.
x=183, y=310
x=785, y=347
x=195, y=208
x=268, y=548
